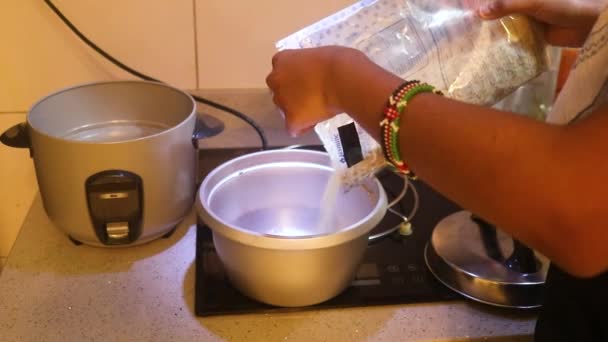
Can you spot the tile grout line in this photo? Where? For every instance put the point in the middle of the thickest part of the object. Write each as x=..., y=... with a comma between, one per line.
x=196, y=67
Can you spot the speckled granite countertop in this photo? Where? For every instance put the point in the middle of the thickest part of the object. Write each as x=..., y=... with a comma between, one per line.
x=52, y=290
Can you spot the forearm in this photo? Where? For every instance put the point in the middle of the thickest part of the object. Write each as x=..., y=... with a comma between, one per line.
x=543, y=184
x=499, y=165
x=515, y=172
x=363, y=89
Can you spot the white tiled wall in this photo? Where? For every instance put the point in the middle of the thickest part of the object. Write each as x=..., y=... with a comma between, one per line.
x=188, y=43
x=236, y=38
x=232, y=45
x=40, y=55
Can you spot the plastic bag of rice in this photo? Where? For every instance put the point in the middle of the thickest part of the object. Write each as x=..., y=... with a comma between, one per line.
x=442, y=42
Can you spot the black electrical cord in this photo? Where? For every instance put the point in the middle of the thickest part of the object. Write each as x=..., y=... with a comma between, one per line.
x=136, y=73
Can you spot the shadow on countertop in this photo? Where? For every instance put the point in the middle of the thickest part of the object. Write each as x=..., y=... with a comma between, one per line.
x=351, y=324
x=521, y=338
x=288, y=326
x=57, y=254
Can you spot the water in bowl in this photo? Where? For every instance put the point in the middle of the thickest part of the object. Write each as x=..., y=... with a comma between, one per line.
x=116, y=131
x=284, y=222
x=294, y=221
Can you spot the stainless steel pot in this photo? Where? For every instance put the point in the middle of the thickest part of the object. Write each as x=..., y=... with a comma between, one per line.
x=115, y=161
x=263, y=209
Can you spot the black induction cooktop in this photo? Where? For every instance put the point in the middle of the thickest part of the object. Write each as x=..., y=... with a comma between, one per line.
x=393, y=270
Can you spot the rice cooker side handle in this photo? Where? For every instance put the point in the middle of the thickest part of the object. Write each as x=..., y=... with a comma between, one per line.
x=206, y=126
x=16, y=136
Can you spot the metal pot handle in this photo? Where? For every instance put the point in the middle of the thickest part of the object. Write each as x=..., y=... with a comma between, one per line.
x=16, y=136
x=522, y=259
x=489, y=238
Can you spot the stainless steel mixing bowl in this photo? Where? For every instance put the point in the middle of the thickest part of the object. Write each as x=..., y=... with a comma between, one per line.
x=264, y=212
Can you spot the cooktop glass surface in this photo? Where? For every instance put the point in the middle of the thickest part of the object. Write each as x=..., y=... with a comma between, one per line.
x=393, y=270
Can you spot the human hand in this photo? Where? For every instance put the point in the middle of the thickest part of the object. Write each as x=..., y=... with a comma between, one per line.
x=567, y=22
x=303, y=83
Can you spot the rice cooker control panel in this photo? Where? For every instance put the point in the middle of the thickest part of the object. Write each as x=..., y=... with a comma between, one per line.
x=115, y=202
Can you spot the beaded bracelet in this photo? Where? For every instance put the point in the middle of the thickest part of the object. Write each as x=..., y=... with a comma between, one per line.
x=396, y=105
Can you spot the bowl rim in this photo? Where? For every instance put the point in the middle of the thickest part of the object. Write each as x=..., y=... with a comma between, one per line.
x=39, y=106
x=277, y=242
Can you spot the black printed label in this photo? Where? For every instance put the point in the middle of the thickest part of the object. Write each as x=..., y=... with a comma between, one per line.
x=351, y=145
